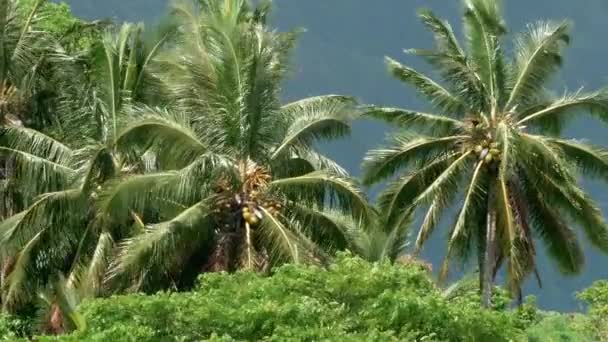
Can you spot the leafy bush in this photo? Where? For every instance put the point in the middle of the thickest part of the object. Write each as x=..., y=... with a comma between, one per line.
x=560, y=328
x=351, y=301
x=11, y=328
x=597, y=298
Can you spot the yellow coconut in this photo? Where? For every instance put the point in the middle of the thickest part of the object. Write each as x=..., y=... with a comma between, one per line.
x=488, y=158
x=495, y=151
x=478, y=149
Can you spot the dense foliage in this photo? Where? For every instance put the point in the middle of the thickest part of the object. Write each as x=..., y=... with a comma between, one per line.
x=352, y=300
x=491, y=149
x=137, y=159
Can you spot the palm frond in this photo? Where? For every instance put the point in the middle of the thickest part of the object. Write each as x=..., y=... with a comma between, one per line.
x=285, y=241
x=19, y=289
x=460, y=73
x=121, y=197
x=538, y=56
x=483, y=27
x=565, y=195
x=430, y=221
x=315, y=119
x=474, y=193
x=329, y=229
x=397, y=237
x=169, y=135
x=38, y=162
x=165, y=246
x=98, y=264
x=591, y=160
x=446, y=183
x=505, y=135
x=381, y=164
x=35, y=143
x=50, y=211
x=440, y=97
x=319, y=162
x=559, y=239
x=511, y=233
x=596, y=103
x=400, y=195
x=445, y=39
x=339, y=192
x=409, y=119
x=450, y=61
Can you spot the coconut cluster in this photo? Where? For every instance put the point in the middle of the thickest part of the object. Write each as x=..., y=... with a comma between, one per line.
x=248, y=206
x=487, y=151
x=249, y=202
x=12, y=105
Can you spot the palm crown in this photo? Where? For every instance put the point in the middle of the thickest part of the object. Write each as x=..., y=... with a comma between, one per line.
x=58, y=179
x=493, y=150
x=240, y=184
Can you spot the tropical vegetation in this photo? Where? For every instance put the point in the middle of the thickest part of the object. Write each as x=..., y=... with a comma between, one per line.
x=493, y=151
x=155, y=185
x=352, y=300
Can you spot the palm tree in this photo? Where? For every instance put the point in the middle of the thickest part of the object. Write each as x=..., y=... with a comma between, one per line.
x=31, y=64
x=373, y=240
x=493, y=151
x=21, y=51
x=241, y=185
x=23, y=82
x=59, y=180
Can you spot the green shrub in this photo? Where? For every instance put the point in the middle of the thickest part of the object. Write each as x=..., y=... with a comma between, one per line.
x=351, y=301
x=597, y=299
x=12, y=328
x=560, y=328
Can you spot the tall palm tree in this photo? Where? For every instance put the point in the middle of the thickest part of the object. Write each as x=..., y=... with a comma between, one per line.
x=241, y=184
x=24, y=50
x=493, y=149
x=31, y=62
x=21, y=51
x=59, y=180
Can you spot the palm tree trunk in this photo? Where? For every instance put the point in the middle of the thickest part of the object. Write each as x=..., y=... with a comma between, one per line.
x=222, y=256
x=56, y=322
x=7, y=266
x=490, y=252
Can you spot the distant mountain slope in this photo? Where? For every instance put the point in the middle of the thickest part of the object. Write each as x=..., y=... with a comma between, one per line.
x=342, y=52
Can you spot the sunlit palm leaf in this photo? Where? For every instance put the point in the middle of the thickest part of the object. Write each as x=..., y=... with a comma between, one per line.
x=340, y=192
x=166, y=245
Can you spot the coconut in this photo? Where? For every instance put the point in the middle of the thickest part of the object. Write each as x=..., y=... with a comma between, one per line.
x=488, y=158
x=493, y=145
x=247, y=216
x=258, y=214
x=494, y=151
x=478, y=149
